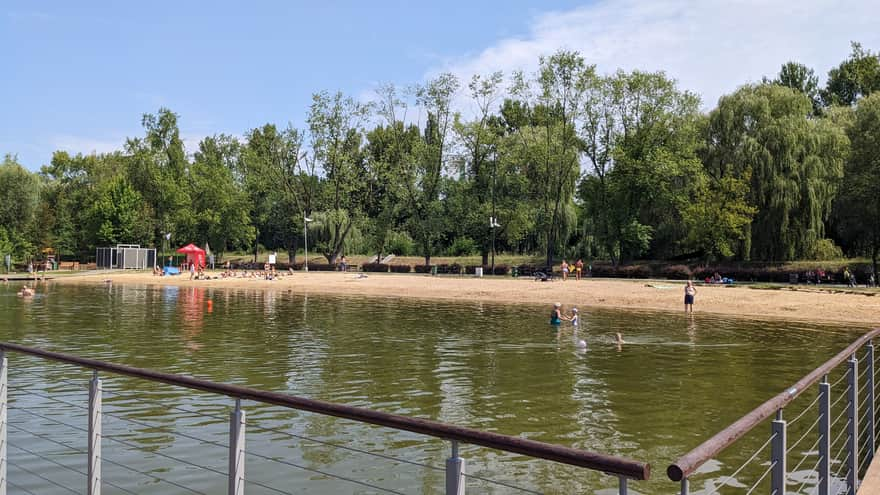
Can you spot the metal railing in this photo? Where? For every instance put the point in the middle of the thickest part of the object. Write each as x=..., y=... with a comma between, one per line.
x=456, y=475
x=843, y=427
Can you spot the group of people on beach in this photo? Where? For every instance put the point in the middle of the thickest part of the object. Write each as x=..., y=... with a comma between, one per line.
x=578, y=269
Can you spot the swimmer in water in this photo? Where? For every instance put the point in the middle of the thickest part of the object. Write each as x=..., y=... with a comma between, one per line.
x=620, y=339
x=26, y=292
x=556, y=316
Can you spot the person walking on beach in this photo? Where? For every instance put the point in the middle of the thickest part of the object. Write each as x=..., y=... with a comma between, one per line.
x=578, y=269
x=689, y=292
x=564, y=270
x=192, y=270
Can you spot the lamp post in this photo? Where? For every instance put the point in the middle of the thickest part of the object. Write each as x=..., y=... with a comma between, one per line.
x=493, y=224
x=306, y=221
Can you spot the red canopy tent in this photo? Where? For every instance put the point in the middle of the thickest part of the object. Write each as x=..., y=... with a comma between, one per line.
x=194, y=254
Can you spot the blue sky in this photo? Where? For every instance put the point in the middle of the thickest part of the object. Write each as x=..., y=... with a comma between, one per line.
x=78, y=75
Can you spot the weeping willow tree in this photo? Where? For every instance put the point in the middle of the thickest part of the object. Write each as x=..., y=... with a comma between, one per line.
x=333, y=232
x=795, y=161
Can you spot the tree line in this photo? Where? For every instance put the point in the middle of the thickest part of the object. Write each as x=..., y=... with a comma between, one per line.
x=567, y=162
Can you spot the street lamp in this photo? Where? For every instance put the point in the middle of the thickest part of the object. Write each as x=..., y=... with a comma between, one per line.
x=166, y=236
x=493, y=224
x=306, y=221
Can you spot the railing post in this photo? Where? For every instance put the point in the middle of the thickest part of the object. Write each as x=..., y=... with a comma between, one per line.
x=852, y=440
x=685, y=488
x=3, y=376
x=455, y=481
x=236, y=450
x=94, y=474
x=622, y=486
x=777, y=456
x=869, y=453
x=824, y=435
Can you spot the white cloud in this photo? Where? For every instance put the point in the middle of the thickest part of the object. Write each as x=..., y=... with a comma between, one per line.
x=710, y=46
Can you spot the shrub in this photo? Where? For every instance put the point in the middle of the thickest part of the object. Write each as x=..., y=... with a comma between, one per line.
x=321, y=267
x=375, y=267
x=604, y=270
x=453, y=269
x=400, y=268
x=526, y=270
x=472, y=269
x=499, y=269
x=634, y=271
x=676, y=272
x=462, y=246
x=422, y=268
x=400, y=244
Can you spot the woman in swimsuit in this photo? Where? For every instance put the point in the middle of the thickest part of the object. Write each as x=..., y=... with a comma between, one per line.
x=556, y=316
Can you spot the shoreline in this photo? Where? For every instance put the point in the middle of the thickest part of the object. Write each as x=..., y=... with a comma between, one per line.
x=666, y=296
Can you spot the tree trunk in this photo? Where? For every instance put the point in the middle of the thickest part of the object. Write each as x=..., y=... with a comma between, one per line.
x=291, y=252
x=485, y=257
x=256, y=250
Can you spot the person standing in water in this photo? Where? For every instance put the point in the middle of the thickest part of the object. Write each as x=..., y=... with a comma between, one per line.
x=556, y=316
x=689, y=292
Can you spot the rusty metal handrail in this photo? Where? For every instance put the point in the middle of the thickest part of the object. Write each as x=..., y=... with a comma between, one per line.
x=566, y=455
x=691, y=461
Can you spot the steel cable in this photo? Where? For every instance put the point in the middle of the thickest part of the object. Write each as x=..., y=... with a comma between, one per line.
x=772, y=465
x=292, y=435
x=839, y=435
x=47, y=418
x=19, y=487
x=38, y=475
x=166, y=428
x=76, y=451
x=743, y=465
x=42, y=437
x=325, y=473
x=806, y=433
x=810, y=405
x=343, y=447
x=840, y=397
x=842, y=377
x=148, y=475
x=113, y=438
x=807, y=479
x=804, y=458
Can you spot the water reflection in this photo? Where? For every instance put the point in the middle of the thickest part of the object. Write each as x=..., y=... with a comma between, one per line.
x=677, y=380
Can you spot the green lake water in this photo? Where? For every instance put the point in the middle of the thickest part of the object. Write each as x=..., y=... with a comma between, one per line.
x=500, y=368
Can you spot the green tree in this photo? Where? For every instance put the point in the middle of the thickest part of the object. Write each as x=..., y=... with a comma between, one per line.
x=419, y=168
x=336, y=129
x=119, y=215
x=717, y=215
x=801, y=78
x=858, y=205
x=856, y=77
x=795, y=163
x=157, y=168
x=218, y=200
x=281, y=182
x=20, y=191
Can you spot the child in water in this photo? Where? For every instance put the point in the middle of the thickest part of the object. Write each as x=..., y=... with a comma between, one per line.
x=574, y=317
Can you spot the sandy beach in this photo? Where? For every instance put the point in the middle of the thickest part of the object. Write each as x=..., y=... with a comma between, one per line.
x=805, y=304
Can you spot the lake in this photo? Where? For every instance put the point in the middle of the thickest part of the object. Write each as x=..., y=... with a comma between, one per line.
x=500, y=368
